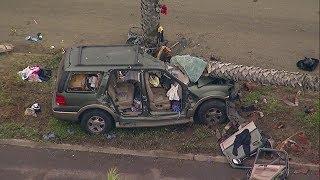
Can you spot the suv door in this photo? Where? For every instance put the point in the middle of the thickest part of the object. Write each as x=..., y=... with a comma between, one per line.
x=166, y=96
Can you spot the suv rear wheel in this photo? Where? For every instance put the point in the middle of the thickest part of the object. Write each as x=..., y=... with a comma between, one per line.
x=96, y=122
x=210, y=112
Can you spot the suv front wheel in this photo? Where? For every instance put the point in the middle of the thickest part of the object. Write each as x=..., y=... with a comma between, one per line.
x=211, y=112
x=96, y=122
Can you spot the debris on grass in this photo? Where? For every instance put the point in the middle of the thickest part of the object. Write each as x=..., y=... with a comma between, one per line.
x=65, y=130
x=35, y=74
x=34, y=39
x=295, y=102
x=49, y=136
x=33, y=110
x=249, y=108
x=5, y=48
x=110, y=135
x=264, y=99
x=71, y=131
x=30, y=112
x=309, y=110
x=255, y=115
x=279, y=125
x=296, y=143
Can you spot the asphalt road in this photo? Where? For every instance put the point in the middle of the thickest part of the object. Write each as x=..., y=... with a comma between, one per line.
x=267, y=33
x=27, y=163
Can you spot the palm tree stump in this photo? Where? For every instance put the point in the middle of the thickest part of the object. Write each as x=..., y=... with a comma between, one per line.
x=150, y=21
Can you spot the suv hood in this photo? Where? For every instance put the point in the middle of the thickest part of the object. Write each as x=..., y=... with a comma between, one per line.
x=212, y=86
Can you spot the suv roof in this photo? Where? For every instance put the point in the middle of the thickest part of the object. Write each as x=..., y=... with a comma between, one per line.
x=102, y=58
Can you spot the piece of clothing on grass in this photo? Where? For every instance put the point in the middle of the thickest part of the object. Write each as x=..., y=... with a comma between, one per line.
x=243, y=139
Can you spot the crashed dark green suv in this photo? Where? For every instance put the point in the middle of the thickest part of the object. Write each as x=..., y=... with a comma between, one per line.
x=121, y=86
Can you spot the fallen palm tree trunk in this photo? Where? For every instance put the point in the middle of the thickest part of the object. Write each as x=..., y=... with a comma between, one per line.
x=263, y=76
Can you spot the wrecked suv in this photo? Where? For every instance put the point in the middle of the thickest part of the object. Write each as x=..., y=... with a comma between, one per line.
x=104, y=87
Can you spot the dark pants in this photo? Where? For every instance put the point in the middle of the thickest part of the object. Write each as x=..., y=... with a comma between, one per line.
x=243, y=139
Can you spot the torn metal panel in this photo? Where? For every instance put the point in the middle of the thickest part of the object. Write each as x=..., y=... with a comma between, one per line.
x=193, y=66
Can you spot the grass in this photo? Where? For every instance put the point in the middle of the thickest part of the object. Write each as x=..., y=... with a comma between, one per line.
x=312, y=119
x=54, y=62
x=257, y=94
x=193, y=145
x=311, y=123
x=251, y=97
x=65, y=130
x=202, y=132
x=17, y=130
x=113, y=174
x=5, y=100
x=273, y=105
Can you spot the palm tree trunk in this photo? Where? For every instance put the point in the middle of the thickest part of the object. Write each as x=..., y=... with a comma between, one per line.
x=150, y=20
x=263, y=76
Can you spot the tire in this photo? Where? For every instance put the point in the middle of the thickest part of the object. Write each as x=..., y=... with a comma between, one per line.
x=217, y=107
x=96, y=122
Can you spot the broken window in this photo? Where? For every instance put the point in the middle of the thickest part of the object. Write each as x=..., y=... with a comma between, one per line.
x=84, y=82
x=124, y=87
x=164, y=92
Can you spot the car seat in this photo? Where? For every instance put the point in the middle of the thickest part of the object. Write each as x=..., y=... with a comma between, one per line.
x=157, y=97
x=121, y=92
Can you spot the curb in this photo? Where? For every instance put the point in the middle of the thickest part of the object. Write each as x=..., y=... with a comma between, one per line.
x=139, y=153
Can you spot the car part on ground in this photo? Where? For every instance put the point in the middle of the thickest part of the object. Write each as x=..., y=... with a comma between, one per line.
x=242, y=144
x=269, y=164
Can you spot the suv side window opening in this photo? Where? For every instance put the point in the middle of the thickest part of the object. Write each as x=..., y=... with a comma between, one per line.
x=164, y=92
x=87, y=82
x=124, y=87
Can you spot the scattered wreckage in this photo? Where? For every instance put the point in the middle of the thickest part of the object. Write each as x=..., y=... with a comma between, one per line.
x=269, y=164
x=247, y=143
